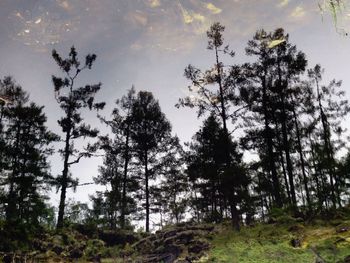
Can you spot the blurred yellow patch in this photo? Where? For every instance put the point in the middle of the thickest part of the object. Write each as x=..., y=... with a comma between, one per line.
x=154, y=3
x=191, y=17
x=275, y=43
x=215, y=10
x=283, y=3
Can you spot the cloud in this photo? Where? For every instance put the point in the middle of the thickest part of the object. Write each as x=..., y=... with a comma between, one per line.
x=64, y=4
x=283, y=3
x=191, y=16
x=154, y=3
x=298, y=12
x=212, y=8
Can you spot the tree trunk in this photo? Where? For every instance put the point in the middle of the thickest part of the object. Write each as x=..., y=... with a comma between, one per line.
x=286, y=145
x=301, y=156
x=328, y=149
x=280, y=152
x=147, y=192
x=287, y=152
x=126, y=162
x=234, y=216
x=64, y=182
x=269, y=144
x=234, y=212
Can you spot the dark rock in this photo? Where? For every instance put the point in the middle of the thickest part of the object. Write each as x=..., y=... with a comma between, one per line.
x=40, y=245
x=113, y=238
x=198, y=246
x=144, y=246
x=296, y=228
x=170, y=233
x=342, y=228
x=167, y=245
x=75, y=253
x=57, y=249
x=295, y=242
x=96, y=259
x=272, y=220
x=347, y=259
x=173, y=249
x=164, y=258
x=339, y=240
x=181, y=238
x=7, y=258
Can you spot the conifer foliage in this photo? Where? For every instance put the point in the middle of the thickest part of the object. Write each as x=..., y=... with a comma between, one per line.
x=73, y=100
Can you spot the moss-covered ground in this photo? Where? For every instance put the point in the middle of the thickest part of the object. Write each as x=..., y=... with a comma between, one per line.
x=271, y=243
x=284, y=239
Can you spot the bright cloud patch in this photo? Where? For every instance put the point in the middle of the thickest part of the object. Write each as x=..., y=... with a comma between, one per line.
x=215, y=10
x=283, y=3
x=298, y=12
x=154, y=3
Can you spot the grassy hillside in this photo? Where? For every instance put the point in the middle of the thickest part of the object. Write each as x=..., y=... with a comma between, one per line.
x=284, y=239
x=283, y=242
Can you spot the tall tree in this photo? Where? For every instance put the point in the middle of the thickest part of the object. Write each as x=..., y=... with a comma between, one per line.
x=331, y=107
x=151, y=134
x=217, y=102
x=279, y=66
x=25, y=148
x=206, y=168
x=72, y=101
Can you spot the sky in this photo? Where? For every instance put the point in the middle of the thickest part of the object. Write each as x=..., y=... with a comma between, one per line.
x=148, y=43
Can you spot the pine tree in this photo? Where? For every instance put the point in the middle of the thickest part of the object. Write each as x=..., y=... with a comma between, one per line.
x=72, y=101
x=207, y=168
x=151, y=136
x=25, y=148
x=218, y=101
x=330, y=108
x=269, y=96
x=119, y=157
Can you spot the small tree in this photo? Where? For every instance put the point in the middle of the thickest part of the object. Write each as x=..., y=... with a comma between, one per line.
x=72, y=101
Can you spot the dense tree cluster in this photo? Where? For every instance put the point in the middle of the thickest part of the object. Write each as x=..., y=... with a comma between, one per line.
x=290, y=122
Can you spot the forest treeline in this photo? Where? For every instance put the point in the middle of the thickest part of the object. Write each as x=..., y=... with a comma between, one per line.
x=276, y=108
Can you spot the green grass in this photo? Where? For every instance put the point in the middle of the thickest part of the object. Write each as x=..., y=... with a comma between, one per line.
x=271, y=243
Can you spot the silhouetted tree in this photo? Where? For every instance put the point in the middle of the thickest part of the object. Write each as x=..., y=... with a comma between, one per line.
x=72, y=101
x=25, y=147
x=331, y=108
x=207, y=168
x=272, y=84
x=218, y=101
x=151, y=135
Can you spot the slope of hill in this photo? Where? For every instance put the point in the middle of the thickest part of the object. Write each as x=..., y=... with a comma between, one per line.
x=283, y=239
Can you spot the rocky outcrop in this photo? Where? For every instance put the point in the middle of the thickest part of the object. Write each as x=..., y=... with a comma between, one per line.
x=184, y=243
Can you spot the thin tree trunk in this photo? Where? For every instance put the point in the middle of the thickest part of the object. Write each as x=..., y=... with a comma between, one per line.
x=280, y=152
x=286, y=145
x=64, y=182
x=287, y=153
x=126, y=162
x=234, y=211
x=269, y=144
x=328, y=149
x=301, y=156
x=147, y=192
x=65, y=171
